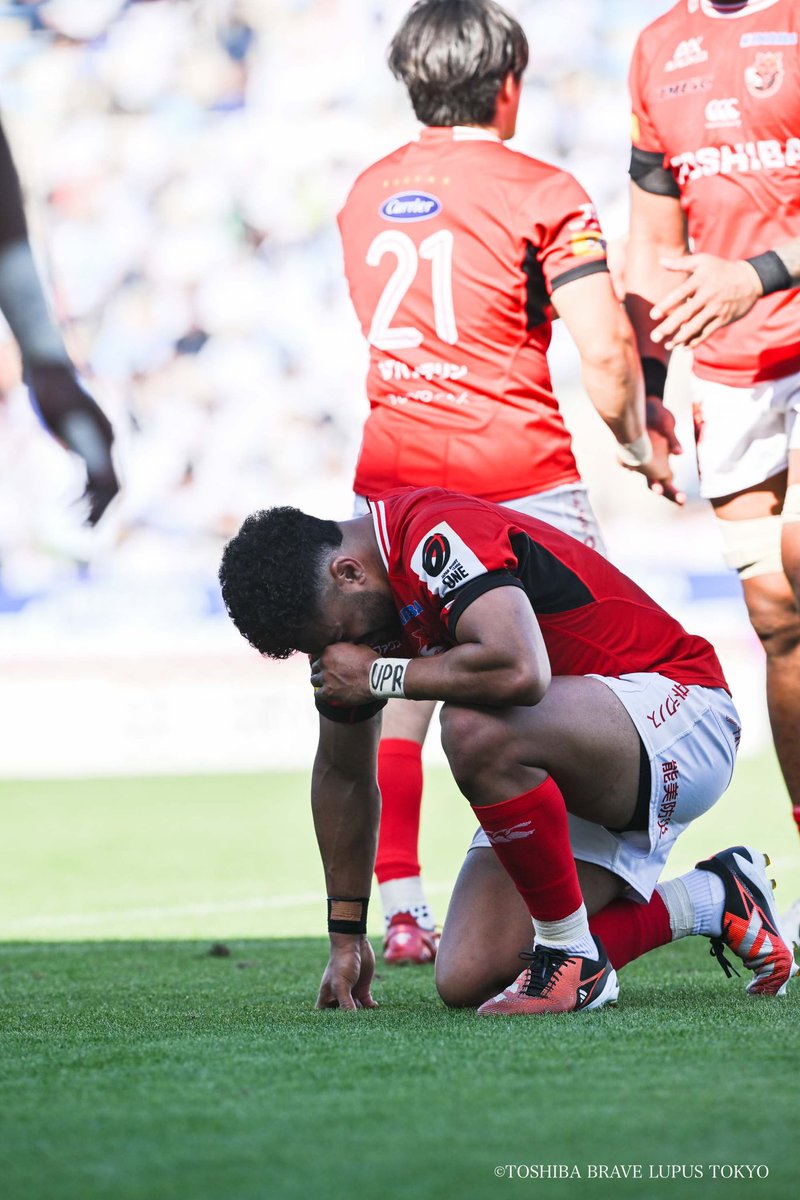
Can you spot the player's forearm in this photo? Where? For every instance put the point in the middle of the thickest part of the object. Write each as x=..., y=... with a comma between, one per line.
x=469, y=674
x=613, y=382
x=23, y=305
x=346, y=810
x=646, y=281
x=790, y=256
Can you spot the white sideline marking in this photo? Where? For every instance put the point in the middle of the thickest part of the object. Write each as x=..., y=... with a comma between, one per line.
x=251, y=904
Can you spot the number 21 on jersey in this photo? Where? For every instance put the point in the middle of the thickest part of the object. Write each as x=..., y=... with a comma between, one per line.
x=438, y=250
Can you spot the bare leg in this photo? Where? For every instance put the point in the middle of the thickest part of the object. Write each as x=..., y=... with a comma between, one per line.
x=499, y=753
x=774, y=610
x=488, y=925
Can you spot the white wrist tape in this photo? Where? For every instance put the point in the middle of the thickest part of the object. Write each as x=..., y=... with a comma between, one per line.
x=386, y=677
x=636, y=454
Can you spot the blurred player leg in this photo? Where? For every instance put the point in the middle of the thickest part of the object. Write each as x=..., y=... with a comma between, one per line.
x=410, y=931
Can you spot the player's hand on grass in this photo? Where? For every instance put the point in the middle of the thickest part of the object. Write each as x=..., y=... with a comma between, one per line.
x=715, y=292
x=347, y=981
x=77, y=421
x=341, y=673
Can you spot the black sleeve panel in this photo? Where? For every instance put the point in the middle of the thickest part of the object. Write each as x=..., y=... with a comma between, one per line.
x=648, y=172
x=13, y=227
x=470, y=592
x=537, y=300
x=590, y=268
x=351, y=714
x=551, y=585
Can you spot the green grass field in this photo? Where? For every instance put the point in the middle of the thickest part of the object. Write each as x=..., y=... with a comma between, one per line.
x=134, y=1065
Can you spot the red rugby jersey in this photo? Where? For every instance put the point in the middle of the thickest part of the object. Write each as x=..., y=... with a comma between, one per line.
x=717, y=93
x=443, y=550
x=453, y=245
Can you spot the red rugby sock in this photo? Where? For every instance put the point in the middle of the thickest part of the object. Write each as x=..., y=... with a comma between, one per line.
x=530, y=836
x=628, y=930
x=400, y=782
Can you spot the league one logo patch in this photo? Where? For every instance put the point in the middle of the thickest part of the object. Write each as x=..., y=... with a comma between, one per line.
x=435, y=554
x=410, y=206
x=443, y=561
x=764, y=76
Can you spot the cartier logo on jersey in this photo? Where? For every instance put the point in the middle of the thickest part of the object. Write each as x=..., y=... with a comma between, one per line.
x=435, y=554
x=410, y=206
x=764, y=77
x=687, y=54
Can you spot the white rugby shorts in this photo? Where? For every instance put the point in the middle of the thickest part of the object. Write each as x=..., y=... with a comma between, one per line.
x=567, y=507
x=744, y=434
x=690, y=734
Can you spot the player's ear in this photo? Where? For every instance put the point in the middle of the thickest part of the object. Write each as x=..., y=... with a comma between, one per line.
x=347, y=572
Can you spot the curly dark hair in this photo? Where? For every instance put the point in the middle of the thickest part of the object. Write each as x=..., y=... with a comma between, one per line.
x=453, y=55
x=271, y=576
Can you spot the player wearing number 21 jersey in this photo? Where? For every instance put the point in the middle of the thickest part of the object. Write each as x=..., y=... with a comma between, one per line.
x=453, y=246
x=456, y=250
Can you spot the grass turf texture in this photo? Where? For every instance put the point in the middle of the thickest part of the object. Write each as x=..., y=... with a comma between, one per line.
x=152, y=1070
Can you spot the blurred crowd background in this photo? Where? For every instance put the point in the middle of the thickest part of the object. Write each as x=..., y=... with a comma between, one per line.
x=183, y=162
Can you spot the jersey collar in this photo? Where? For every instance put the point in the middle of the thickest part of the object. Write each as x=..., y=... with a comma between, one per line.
x=459, y=133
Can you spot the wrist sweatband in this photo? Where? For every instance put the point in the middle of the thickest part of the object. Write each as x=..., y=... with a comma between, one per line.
x=655, y=376
x=386, y=677
x=636, y=454
x=772, y=271
x=347, y=915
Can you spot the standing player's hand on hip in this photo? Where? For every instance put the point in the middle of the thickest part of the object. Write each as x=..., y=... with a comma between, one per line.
x=347, y=981
x=715, y=292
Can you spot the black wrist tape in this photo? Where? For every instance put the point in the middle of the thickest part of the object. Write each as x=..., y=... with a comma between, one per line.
x=347, y=914
x=655, y=377
x=772, y=271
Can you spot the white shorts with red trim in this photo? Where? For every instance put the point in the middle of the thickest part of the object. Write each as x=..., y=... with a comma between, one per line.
x=567, y=507
x=690, y=734
x=744, y=434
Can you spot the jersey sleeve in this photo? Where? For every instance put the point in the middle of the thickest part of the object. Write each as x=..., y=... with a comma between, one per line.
x=454, y=558
x=565, y=231
x=648, y=168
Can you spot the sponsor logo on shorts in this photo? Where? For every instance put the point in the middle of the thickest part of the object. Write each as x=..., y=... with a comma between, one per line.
x=685, y=87
x=768, y=37
x=523, y=829
x=764, y=76
x=723, y=112
x=687, y=54
x=410, y=206
x=659, y=716
x=736, y=729
x=669, y=796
